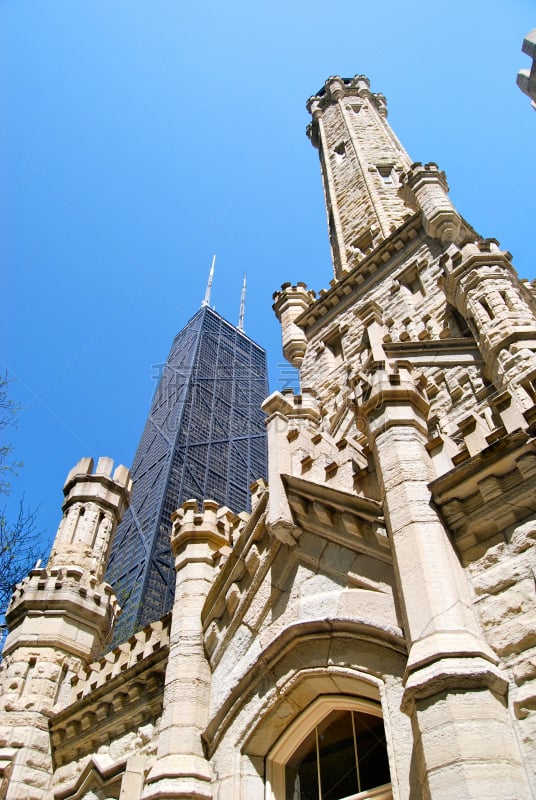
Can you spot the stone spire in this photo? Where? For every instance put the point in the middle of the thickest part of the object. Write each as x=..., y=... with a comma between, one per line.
x=362, y=161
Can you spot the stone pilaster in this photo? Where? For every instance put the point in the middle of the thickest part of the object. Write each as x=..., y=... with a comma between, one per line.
x=181, y=769
x=59, y=618
x=279, y=516
x=450, y=667
x=287, y=415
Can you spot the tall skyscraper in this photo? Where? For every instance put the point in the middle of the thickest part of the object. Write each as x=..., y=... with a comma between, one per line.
x=204, y=438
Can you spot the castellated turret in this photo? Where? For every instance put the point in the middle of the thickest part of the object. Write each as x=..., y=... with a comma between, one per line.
x=59, y=619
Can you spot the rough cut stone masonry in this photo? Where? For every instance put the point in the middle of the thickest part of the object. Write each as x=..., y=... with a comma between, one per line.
x=386, y=570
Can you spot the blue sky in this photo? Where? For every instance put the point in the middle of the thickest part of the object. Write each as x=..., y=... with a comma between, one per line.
x=139, y=138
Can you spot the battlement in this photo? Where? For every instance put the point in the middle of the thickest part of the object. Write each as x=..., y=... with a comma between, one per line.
x=425, y=188
x=140, y=646
x=94, y=504
x=61, y=607
x=105, y=484
x=57, y=581
x=289, y=291
x=289, y=304
x=208, y=520
x=336, y=87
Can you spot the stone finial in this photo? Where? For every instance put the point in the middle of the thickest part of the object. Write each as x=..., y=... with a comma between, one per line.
x=526, y=79
x=289, y=304
x=425, y=188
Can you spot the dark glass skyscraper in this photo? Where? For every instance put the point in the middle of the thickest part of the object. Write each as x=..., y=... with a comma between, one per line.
x=204, y=438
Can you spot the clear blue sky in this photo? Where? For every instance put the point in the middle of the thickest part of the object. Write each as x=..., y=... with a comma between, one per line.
x=139, y=138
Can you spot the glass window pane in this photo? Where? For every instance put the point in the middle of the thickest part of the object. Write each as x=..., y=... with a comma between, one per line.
x=371, y=751
x=337, y=745
x=301, y=781
x=338, y=772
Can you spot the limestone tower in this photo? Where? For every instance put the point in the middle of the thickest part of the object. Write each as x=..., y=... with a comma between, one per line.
x=418, y=370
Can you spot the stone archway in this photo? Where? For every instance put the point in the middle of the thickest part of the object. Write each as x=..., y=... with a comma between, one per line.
x=307, y=662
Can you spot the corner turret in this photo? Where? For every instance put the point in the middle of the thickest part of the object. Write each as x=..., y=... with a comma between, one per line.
x=59, y=620
x=289, y=304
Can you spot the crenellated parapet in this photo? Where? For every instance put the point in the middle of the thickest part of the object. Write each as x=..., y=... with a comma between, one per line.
x=210, y=524
x=336, y=88
x=75, y=598
x=116, y=662
x=113, y=696
x=66, y=605
x=59, y=620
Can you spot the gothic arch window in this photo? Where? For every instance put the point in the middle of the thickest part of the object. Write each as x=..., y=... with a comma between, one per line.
x=335, y=750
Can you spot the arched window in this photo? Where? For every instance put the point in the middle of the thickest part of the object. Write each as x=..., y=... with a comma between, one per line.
x=335, y=750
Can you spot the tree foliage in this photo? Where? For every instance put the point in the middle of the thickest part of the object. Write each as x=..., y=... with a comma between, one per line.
x=20, y=539
x=20, y=549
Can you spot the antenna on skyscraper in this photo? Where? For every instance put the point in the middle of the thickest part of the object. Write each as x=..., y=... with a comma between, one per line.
x=242, y=306
x=206, y=301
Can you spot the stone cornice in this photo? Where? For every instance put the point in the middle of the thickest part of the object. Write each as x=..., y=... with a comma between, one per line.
x=346, y=519
x=491, y=491
x=338, y=501
x=342, y=292
x=435, y=352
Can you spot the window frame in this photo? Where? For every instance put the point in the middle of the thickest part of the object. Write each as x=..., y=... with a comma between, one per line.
x=302, y=726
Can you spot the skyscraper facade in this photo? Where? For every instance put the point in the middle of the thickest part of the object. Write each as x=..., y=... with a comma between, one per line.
x=204, y=437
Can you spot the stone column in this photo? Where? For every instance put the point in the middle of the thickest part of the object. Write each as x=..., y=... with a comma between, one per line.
x=453, y=688
x=181, y=769
x=59, y=618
